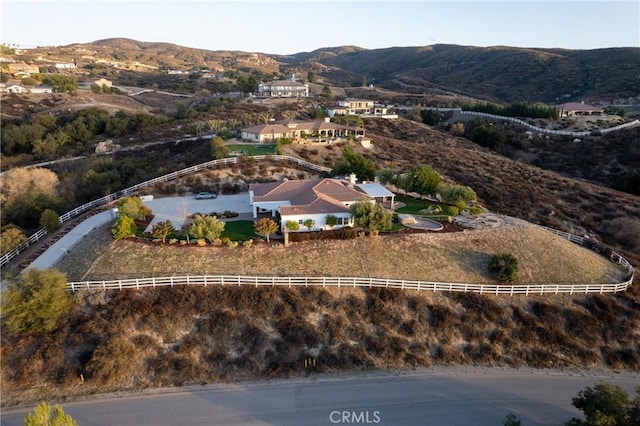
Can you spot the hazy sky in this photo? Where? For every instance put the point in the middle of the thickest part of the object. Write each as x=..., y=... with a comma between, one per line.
x=296, y=26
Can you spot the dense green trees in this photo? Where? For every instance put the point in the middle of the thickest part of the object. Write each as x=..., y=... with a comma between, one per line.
x=352, y=162
x=517, y=109
x=606, y=405
x=421, y=179
x=47, y=136
x=34, y=302
x=371, y=216
x=483, y=133
x=246, y=83
x=43, y=415
x=62, y=83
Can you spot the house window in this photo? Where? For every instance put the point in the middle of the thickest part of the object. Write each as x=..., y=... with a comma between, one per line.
x=300, y=222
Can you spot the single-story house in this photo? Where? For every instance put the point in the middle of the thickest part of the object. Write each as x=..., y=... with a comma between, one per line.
x=578, y=108
x=296, y=129
x=41, y=89
x=283, y=89
x=301, y=200
x=13, y=88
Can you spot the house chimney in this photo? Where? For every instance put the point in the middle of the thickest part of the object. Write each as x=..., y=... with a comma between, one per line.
x=327, y=119
x=352, y=179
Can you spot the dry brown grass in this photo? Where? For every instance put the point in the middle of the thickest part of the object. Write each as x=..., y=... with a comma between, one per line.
x=450, y=257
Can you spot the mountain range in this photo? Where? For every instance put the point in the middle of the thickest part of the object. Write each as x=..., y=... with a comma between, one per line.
x=499, y=73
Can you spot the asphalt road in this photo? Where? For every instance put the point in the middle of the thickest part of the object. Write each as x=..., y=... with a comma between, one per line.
x=481, y=397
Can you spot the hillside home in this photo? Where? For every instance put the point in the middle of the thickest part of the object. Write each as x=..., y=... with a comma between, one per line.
x=361, y=107
x=314, y=130
x=65, y=66
x=283, y=89
x=41, y=89
x=301, y=200
x=24, y=70
x=13, y=88
x=578, y=108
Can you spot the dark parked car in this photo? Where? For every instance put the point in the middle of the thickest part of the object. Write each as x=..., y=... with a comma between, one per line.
x=206, y=195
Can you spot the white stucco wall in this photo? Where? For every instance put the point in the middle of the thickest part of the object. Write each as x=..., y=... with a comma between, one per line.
x=319, y=219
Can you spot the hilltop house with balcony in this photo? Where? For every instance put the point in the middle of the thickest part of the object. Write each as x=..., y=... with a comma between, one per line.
x=283, y=89
x=298, y=130
x=301, y=200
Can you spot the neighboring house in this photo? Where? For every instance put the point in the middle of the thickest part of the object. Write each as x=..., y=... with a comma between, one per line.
x=361, y=107
x=22, y=69
x=65, y=66
x=578, y=108
x=41, y=89
x=301, y=200
x=297, y=130
x=283, y=89
x=13, y=88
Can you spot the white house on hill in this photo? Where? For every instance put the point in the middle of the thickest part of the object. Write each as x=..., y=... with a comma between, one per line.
x=284, y=89
x=301, y=200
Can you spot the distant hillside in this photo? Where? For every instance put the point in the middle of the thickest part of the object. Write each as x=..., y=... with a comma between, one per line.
x=500, y=73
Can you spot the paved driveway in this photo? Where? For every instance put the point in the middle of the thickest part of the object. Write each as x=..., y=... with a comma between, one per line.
x=176, y=209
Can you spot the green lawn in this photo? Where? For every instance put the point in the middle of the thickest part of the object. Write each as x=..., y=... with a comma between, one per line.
x=240, y=230
x=254, y=149
x=414, y=206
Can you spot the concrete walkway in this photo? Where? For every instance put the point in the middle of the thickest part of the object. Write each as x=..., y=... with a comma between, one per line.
x=64, y=245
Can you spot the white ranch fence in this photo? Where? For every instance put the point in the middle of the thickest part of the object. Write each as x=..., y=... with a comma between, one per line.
x=5, y=258
x=303, y=281
x=550, y=131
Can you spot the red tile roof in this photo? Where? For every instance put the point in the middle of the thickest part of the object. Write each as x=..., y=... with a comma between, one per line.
x=313, y=196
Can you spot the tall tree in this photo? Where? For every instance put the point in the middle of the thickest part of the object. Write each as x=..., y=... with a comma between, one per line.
x=265, y=226
x=162, y=229
x=421, y=179
x=50, y=220
x=371, y=216
x=124, y=227
x=352, y=162
x=35, y=301
x=219, y=148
